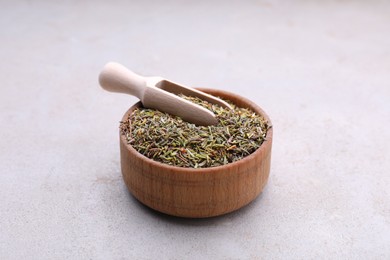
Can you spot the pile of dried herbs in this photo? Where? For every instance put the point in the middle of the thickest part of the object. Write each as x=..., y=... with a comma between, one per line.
x=170, y=140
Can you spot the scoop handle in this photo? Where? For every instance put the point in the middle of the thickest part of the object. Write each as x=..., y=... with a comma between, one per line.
x=116, y=78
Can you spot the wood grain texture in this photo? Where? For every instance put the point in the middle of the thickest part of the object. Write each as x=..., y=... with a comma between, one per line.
x=197, y=193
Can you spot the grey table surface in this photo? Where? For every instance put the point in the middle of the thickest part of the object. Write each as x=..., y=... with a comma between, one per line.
x=321, y=70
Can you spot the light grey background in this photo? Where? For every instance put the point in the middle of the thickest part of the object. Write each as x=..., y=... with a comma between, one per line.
x=321, y=70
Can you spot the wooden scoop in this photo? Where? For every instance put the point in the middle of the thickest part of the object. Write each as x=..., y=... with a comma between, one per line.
x=159, y=93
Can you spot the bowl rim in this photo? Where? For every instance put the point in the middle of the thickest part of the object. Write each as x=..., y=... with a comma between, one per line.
x=267, y=142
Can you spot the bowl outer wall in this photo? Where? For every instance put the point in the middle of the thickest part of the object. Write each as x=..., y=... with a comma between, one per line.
x=197, y=193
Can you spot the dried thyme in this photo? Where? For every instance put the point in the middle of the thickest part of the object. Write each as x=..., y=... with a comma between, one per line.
x=170, y=140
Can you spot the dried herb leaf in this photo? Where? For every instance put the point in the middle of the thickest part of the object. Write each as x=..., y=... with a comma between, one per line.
x=170, y=140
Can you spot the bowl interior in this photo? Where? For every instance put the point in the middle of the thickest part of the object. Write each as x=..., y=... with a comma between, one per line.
x=238, y=101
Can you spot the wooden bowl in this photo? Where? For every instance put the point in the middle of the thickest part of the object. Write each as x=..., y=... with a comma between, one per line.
x=197, y=193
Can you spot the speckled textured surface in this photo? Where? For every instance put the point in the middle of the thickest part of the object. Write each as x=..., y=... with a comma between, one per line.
x=320, y=70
